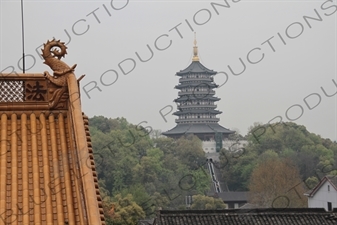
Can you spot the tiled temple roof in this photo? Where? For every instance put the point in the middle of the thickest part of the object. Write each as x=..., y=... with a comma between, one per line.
x=47, y=172
x=304, y=216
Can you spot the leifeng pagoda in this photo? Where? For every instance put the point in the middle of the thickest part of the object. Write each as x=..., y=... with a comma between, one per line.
x=197, y=112
x=47, y=169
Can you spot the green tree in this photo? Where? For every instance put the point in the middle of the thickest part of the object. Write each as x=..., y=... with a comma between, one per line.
x=190, y=152
x=308, y=151
x=124, y=211
x=206, y=202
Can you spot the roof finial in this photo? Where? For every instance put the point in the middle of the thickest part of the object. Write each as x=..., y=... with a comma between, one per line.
x=195, y=49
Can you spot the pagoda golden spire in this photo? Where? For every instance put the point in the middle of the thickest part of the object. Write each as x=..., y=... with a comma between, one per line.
x=195, y=49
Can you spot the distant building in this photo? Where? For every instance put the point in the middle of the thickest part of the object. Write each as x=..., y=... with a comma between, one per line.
x=324, y=194
x=196, y=106
x=234, y=200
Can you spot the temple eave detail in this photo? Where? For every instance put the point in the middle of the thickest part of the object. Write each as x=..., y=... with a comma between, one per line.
x=47, y=171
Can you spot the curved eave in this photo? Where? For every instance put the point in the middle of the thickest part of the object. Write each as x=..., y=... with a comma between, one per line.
x=182, y=129
x=209, y=85
x=196, y=67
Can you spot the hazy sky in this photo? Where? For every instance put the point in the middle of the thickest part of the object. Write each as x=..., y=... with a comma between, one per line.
x=288, y=57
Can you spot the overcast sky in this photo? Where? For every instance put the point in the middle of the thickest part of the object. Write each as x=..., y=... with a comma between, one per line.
x=288, y=57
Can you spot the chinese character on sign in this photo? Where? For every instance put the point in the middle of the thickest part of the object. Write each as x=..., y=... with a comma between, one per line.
x=36, y=92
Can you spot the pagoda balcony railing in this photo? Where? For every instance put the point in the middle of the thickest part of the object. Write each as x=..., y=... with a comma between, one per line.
x=198, y=120
x=196, y=79
x=196, y=93
x=194, y=106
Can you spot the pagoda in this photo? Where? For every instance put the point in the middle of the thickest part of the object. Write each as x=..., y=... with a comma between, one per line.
x=197, y=112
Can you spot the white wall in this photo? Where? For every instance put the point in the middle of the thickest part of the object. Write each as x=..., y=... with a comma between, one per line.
x=323, y=196
x=210, y=146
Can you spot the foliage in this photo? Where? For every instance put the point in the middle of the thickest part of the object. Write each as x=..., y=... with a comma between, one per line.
x=123, y=210
x=276, y=183
x=205, y=202
x=137, y=165
x=152, y=173
x=310, y=153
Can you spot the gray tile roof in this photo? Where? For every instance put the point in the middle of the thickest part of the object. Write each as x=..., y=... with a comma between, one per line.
x=236, y=196
x=304, y=216
x=196, y=67
x=198, y=129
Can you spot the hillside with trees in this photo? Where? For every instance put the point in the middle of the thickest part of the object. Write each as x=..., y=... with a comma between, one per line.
x=138, y=174
x=306, y=155
x=141, y=171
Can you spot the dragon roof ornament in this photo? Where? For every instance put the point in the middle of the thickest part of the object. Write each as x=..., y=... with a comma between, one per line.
x=39, y=91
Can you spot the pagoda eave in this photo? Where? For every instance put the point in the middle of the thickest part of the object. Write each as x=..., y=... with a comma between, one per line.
x=196, y=67
x=195, y=128
x=186, y=99
x=200, y=85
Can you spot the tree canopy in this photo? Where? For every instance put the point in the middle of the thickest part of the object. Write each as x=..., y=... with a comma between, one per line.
x=276, y=183
x=149, y=173
x=138, y=166
x=205, y=202
x=312, y=155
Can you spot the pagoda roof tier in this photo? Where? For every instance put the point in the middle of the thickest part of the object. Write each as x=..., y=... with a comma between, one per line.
x=185, y=98
x=204, y=84
x=196, y=67
x=195, y=111
x=208, y=78
x=197, y=128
